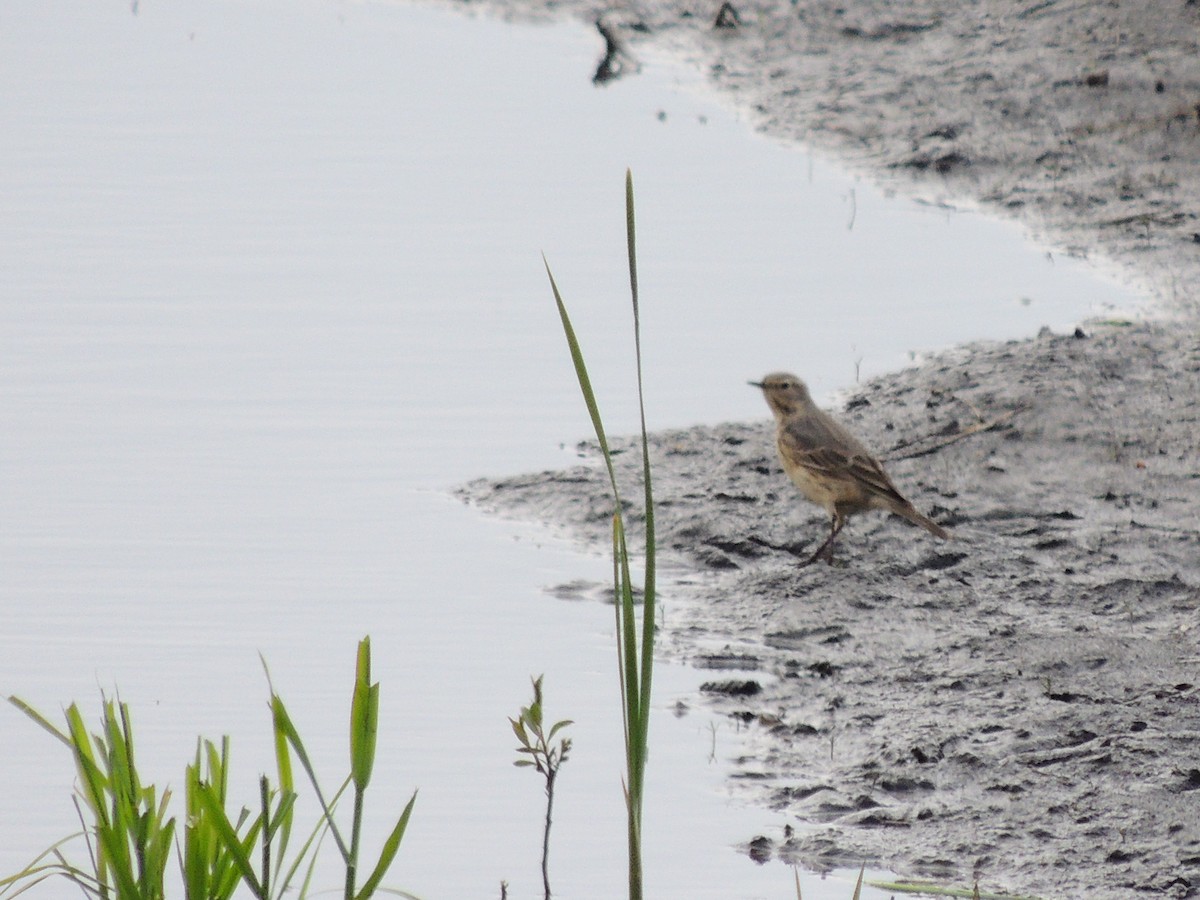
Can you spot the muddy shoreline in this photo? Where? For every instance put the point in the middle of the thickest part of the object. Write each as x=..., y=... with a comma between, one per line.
x=1021, y=705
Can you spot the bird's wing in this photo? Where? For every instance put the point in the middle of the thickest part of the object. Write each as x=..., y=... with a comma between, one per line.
x=867, y=471
x=822, y=446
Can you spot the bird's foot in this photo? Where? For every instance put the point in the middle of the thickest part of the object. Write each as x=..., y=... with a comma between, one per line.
x=824, y=552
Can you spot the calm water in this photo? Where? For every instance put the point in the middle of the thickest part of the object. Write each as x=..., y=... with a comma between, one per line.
x=270, y=285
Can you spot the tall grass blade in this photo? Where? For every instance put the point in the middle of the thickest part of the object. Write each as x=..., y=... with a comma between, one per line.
x=635, y=656
x=282, y=826
x=284, y=726
x=649, y=595
x=585, y=384
x=39, y=718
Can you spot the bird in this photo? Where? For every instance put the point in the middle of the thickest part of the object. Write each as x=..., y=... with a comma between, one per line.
x=831, y=467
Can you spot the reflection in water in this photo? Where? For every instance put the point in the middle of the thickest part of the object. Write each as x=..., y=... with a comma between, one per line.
x=617, y=61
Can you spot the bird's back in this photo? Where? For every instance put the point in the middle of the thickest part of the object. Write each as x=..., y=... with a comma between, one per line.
x=818, y=443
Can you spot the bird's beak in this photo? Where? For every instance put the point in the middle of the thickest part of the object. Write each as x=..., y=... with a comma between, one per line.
x=757, y=384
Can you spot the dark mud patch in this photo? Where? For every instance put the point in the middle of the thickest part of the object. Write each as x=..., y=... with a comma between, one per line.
x=1021, y=704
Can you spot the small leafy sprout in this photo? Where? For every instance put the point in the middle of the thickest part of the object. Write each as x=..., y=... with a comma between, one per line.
x=538, y=751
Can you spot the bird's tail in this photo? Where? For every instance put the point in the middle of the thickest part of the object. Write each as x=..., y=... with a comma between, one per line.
x=908, y=511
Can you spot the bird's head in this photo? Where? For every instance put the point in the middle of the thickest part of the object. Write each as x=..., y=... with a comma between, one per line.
x=785, y=393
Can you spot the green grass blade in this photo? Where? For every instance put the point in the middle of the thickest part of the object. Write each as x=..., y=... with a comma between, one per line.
x=85, y=762
x=38, y=868
x=209, y=870
x=320, y=829
x=635, y=654
x=619, y=612
x=631, y=244
x=390, y=848
x=284, y=726
x=40, y=874
x=585, y=383
x=364, y=719
x=237, y=847
x=627, y=634
x=285, y=817
x=640, y=737
x=39, y=718
x=649, y=596
x=197, y=852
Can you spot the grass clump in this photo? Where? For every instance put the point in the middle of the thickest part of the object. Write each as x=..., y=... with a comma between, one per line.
x=130, y=837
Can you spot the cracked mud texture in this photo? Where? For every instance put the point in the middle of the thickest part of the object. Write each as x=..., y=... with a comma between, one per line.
x=1020, y=705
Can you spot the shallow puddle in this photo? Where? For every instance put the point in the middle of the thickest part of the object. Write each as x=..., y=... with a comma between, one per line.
x=272, y=286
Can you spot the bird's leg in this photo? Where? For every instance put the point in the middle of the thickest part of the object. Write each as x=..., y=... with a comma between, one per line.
x=825, y=551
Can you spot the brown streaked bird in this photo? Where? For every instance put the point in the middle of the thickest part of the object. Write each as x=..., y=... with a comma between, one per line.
x=829, y=465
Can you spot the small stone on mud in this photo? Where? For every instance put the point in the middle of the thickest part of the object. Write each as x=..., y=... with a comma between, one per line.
x=732, y=688
x=823, y=669
x=761, y=849
x=727, y=16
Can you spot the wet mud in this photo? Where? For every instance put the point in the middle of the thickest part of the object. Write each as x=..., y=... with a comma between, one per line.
x=1020, y=705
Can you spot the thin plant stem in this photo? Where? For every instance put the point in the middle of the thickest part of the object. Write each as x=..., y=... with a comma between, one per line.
x=550, y=777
